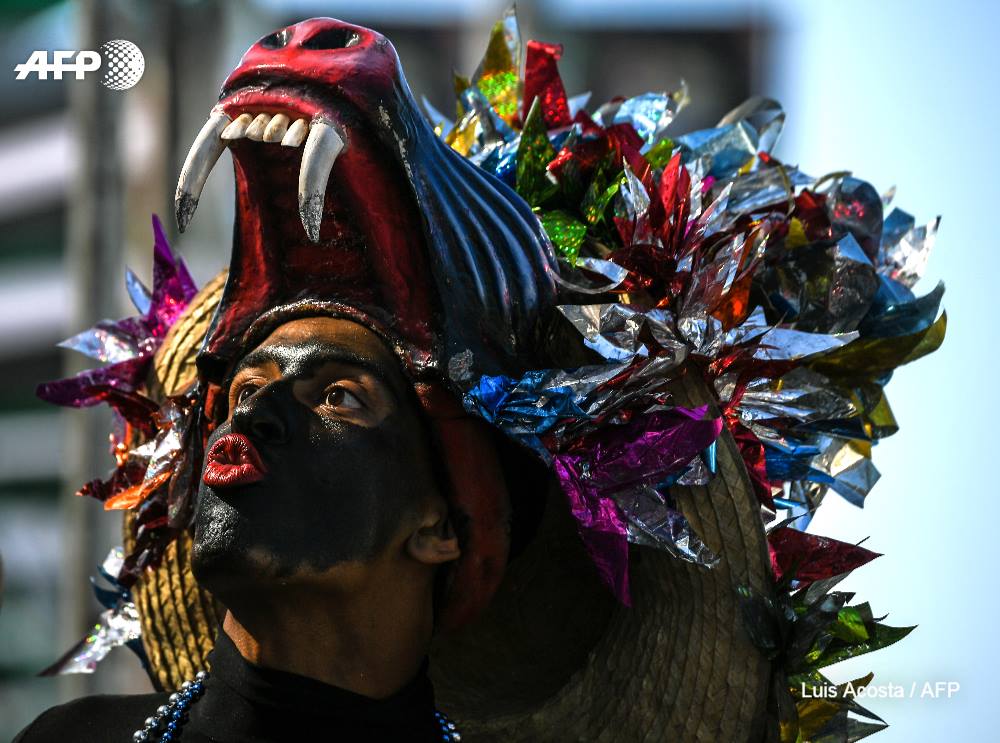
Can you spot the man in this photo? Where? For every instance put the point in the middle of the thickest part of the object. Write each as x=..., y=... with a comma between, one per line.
x=321, y=527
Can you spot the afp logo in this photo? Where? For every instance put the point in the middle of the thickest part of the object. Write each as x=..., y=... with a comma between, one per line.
x=122, y=61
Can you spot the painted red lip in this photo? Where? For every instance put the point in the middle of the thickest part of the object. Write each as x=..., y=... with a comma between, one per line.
x=232, y=461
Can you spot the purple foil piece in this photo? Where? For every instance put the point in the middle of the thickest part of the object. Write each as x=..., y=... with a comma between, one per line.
x=643, y=451
x=92, y=386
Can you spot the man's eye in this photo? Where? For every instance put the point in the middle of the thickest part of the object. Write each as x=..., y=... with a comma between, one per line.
x=245, y=392
x=338, y=397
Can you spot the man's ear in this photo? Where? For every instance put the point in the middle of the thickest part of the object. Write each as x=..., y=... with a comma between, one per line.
x=434, y=541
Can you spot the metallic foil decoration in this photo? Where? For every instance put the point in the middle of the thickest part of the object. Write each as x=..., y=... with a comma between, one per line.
x=822, y=287
x=129, y=344
x=117, y=625
x=726, y=149
x=534, y=153
x=808, y=557
x=895, y=311
x=542, y=82
x=905, y=248
x=649, y=114
x=643, y=451
x=612, y=274
x=651, y=522
x=615, y=331
x=498, y=74
x=106, y=342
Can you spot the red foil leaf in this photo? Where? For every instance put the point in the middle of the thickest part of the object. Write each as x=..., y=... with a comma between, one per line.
x=627, y=143
x=675, y=194
x=810, y=209
x=810, y=557
x=542, y=81
x=752, y=452
x=133, y=496
x=588, y=127
x=734, y=306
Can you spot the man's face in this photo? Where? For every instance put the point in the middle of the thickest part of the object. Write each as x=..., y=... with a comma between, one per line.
x=343, y=464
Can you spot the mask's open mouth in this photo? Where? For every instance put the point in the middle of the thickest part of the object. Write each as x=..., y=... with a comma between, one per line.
x=320, y=161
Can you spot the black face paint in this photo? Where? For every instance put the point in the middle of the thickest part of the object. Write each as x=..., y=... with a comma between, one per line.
x=334, y=491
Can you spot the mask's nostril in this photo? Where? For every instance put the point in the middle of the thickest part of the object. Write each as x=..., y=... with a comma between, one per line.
x=276, y=40
x=332, y=38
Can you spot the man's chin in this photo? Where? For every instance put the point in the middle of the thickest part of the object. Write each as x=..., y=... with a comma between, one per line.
x=228, y=554
x=220, y=555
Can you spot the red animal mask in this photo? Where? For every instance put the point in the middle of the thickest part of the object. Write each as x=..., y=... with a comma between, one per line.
x=349, y=204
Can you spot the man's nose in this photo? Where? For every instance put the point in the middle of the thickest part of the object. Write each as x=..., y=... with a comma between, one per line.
x=264, y=416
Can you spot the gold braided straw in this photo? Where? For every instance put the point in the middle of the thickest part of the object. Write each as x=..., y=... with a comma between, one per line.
x=178, y=617
x=555, y=658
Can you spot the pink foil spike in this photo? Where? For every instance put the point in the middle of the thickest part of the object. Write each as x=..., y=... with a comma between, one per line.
x=173, y=286
x=601, y=528
x=115, y=385
x=645, y=451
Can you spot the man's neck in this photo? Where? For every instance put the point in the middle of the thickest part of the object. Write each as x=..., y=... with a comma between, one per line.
x=371, y=641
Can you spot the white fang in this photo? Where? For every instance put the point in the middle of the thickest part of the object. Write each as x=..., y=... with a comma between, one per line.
x=201, y=158
x=323, y=146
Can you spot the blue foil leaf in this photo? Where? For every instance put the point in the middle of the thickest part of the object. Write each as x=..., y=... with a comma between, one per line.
x=889, y=317
x=141, y=297
x=730, y=147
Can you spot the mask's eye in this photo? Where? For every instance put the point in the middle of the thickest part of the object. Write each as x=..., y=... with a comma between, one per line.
x=245, y=393
x=338, y=397
x=277, y=40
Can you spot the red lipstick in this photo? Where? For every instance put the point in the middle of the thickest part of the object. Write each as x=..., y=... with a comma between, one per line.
x=232, y=461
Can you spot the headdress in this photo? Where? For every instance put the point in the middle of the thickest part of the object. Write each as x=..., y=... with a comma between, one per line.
x=694, y=336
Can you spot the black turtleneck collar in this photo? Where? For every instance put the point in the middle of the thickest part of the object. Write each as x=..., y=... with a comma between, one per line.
x=245, y=702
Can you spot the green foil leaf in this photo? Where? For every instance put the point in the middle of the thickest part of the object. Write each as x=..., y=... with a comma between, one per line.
x=660, y=153
x=850, y=626
x=565, y=231
x=881, y=636
x=534, y=153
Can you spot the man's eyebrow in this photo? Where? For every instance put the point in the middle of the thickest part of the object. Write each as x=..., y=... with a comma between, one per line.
x=257, y=357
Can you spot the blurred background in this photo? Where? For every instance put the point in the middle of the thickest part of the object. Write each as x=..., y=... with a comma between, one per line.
x=902, y=93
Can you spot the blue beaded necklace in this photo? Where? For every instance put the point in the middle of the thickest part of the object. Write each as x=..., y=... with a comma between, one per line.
x=165, y=725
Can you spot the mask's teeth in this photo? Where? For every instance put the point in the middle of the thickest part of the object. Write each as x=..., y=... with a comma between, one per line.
x=296, y=133
x=276, y=129
x=239, y=126
x=256, y=129
x=322, y=148
x=200, y=160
